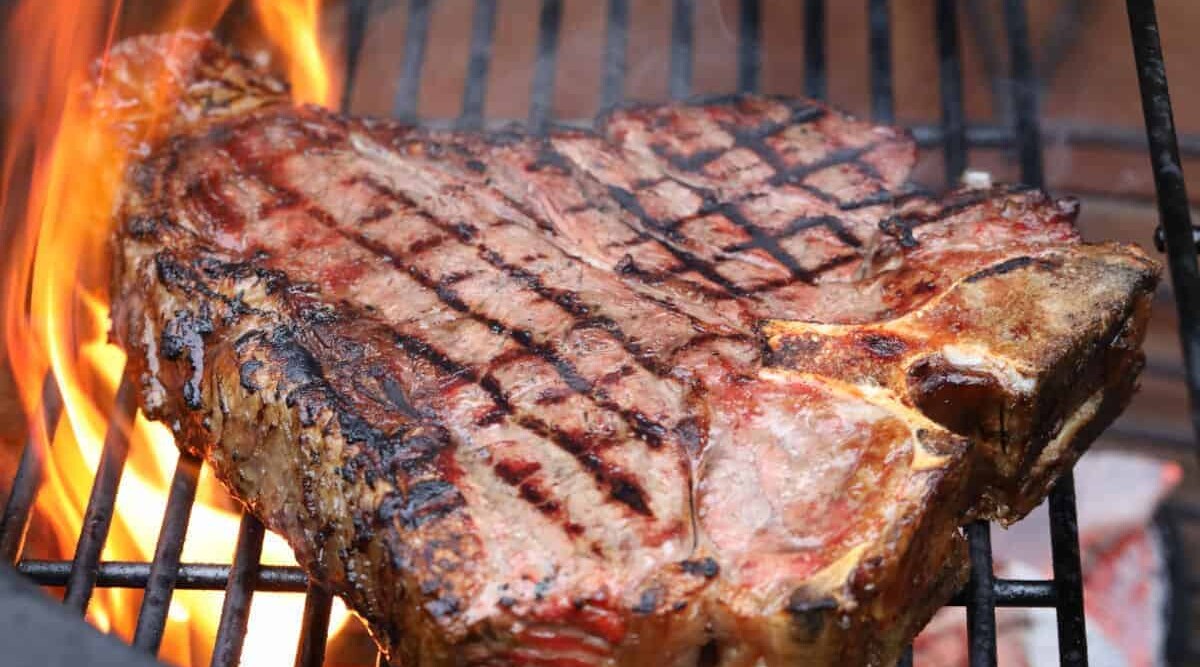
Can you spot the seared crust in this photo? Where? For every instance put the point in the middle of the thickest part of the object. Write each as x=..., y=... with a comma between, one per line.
x=713, y=376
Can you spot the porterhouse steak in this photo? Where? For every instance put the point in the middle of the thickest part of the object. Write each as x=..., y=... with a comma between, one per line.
x=712, y=383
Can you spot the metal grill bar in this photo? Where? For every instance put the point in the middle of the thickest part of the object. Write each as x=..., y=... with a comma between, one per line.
x=681, y=49
x=814, y=48
x=615, y=47
x=1068, y=573
x=356, y=32
x=235, y=610
x=189, y=576
x=416, y=34
x=954, y=139
x=981, y=597
x=1000, y=136
x=97, y=518
x=1175, y=219
x=483, y=25
x=880, y=47
x=314, y=627
x=161, y=580
x=17, y=510
x=284, y=579
x=541, y=103
x=1024, y=92
x=749, y=46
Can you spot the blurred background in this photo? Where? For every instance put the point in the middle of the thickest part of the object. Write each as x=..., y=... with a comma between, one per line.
x=1094, y=149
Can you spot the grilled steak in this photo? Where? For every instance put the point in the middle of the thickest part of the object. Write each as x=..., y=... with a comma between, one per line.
x=712, y=383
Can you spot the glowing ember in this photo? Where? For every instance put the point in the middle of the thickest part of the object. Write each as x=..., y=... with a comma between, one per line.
x=62, y=168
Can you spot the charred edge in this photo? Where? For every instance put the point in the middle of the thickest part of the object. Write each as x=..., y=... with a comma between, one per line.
x=425, y=501
x=705, y=567
x=185, y=334
x=409, y=450
x=173, y=274
x=689, y=261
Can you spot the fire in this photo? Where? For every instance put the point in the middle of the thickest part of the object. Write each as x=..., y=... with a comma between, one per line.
x=61, y=172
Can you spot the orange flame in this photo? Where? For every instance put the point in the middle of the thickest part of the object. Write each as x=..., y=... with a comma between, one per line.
x=293, y=27
x=60, y=178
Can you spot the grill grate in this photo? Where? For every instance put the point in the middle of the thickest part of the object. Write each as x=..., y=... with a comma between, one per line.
x=983, y=594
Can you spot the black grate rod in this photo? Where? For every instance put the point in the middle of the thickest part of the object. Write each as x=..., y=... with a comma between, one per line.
x=235, y=612
x=883, y=104
x=681, y=49
x=164, y=569
x=357, y=12
x=814, y=48
x=15, y=522
x=483, y=25
x=954, y=135
x=1013, y=593
x=416, y=35
x=541, y=101
x=981, y=597
x=616, y=46
x=980, y=29
x=1175, y=219
x=314, y=628
x=97, y=518
x=749, y=46
x=189, y=576
x=1024, y=93
x=1068, y=574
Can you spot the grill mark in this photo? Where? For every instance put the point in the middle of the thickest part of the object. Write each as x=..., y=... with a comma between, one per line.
x=584, y=317
x=618, y=484
x=795, y=175
x=832, y=223
x=689, y=261
x=901, y=226
x=622, y=487
x=568, y=300
x=760, y=238
x=627, y=266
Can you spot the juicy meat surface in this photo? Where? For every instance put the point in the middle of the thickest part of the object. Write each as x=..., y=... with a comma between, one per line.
x=709, y=384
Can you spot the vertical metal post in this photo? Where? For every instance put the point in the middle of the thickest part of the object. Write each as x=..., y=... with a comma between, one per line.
x=1174, y=213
